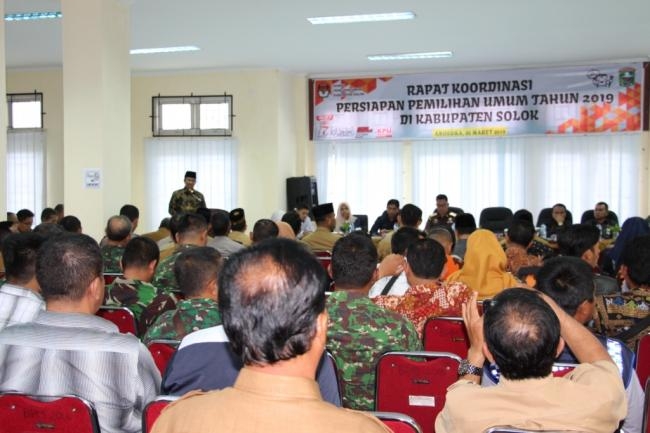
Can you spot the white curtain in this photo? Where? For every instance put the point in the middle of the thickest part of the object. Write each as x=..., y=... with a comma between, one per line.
x=530, y=172
x=365, y=174
x=167, y=160
x=26, y=171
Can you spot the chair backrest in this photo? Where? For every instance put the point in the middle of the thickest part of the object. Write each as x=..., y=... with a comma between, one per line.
x=59, y=414
x=162, y=352
x=415, y=384
x=496, y=219
x=120, y=316
x=153, y=409
x=446, y=334
x=456, y=210
x=589, y=215
x=361, y=222
x=324, y=257
x=109, y=277
x=330, y=358
x=561, y=369
x=642, y=365
x=398, y=422
x=646, y=410
x=546, y=217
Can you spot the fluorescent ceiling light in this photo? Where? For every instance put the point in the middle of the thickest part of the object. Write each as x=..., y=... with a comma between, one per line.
x=366, y=18
x=412, y=56
x=164, y=50
x=25, y=16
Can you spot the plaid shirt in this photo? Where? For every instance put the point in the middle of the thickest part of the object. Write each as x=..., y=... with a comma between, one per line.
x=18, y=305
x=81, y=354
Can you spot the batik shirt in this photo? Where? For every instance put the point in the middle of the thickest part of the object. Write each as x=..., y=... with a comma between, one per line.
x=111, y=258
x=358, y=332
x=190, y=315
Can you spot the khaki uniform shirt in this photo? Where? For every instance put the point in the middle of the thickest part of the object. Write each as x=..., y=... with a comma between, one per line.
x=589, y=399
x=263, y=402
x=321, y=240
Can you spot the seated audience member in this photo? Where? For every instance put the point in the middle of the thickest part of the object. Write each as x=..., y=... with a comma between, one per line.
x=48, y=229
x=603, y=219
x=444, y=237
x=59, y=212
x=48, y=215
x=632, y=227
x=238, y=227
x=20, y=295
x=581, y=240
x=464, y=226
x=387, y=220
x=196, y=272
x=523, y=332
x=427, y=295
x=189, y=231
x=118, y=234
x=220, y=222
x=134, y=289
x=25, y=220
x=293, y=219
x=391, y=276
x=71, y=224
x=518, y=239
x=322, y=239
x=352, y=335
x=484, y=269
x=193, y=364
x=162, y=234
x=538, y=247
x=569, y=282
x=306, y=224
x=285, y=230
x=277, y=326
x=133, y=214
x=442, y=215
x=559, y=221
x=409, y=216
x=344, y=219
x=264, y=229
x=69, y=350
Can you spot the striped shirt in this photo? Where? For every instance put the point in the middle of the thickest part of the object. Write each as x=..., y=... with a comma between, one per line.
x=18, y=305
x=81, y=354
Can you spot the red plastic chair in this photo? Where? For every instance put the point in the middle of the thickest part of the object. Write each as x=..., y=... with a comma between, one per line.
x=561, y=369
x=153, y=409
x=120, y=316
x=398, y=422
x=162, y=352
x=646, y=410
x=23, y=413
x=109, y=277
x=643, y=359
x=415, y=384
x=446, y=334
x=325, y=258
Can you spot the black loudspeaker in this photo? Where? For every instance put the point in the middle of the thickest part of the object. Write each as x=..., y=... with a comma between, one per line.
x=301, y=190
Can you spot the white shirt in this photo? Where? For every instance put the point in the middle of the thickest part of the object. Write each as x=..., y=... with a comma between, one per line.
x=18, y=305
x=399, y=287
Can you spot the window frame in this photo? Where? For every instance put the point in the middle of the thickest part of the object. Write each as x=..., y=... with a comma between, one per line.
x=24, y=97
x=195, y=102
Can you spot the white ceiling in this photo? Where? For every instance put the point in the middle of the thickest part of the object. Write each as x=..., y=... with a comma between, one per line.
x=275, y=34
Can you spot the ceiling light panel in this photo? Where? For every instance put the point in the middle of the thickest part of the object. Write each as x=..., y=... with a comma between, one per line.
x=411, y=56
x=164, y=50
x=28, y=16
x=365, y=18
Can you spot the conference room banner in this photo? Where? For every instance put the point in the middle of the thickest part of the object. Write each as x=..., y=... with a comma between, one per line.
x=568, y=100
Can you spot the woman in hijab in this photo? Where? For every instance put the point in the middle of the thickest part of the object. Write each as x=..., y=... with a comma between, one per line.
x=344, y=219
x=632, y=227
x=484, y=268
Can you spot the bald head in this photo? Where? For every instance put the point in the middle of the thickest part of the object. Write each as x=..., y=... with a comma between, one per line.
x=118, y=228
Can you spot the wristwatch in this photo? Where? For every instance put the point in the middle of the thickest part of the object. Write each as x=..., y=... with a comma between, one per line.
x=466, y=368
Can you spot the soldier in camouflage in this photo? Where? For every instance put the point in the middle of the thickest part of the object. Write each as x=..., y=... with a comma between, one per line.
x=189, y=231
x=118, y=234
x=134, y=289
x=196, y=271
x=186, y=199
x=358, y=330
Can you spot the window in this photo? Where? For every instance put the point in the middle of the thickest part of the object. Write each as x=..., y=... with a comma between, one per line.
x=192, y=115
x=25, y=110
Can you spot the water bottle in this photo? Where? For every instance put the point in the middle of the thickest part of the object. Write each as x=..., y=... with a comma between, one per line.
x=542, y=231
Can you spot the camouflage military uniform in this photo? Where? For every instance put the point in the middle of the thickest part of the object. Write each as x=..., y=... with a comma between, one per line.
x=111, y=257
x=358, y=332
x=184, y=200
x=165, y=280
x=190, y=315
x=140, y=297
